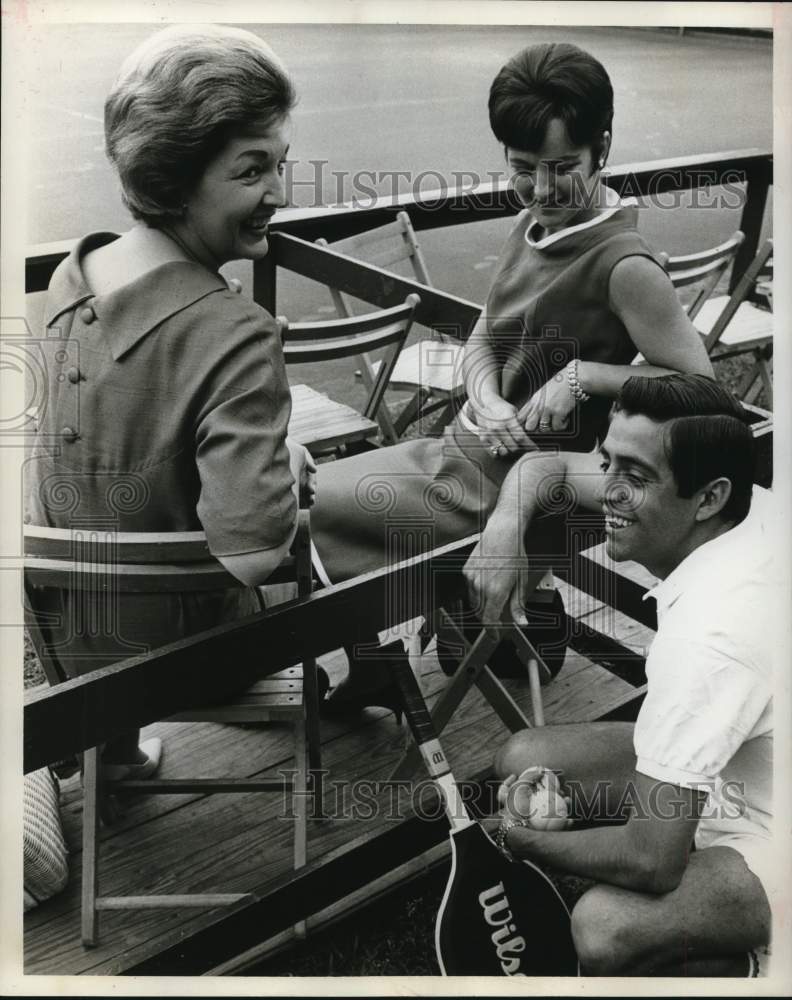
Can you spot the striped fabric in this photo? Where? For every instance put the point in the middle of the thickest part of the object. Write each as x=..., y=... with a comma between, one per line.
x=46, y=864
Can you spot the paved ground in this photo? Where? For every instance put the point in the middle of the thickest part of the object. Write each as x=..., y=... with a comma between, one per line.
x=388, y=98
x=409, y=98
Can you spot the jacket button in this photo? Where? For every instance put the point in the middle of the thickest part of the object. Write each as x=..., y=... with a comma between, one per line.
x=87, y=315
x=74, y=375
x=69, y=434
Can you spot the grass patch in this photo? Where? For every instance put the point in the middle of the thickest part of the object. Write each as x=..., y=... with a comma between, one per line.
x=392, y=937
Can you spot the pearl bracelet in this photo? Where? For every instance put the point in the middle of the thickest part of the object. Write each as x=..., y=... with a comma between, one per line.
x=574, y=383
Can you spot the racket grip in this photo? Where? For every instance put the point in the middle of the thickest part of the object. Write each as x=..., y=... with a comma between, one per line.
x=415, y=709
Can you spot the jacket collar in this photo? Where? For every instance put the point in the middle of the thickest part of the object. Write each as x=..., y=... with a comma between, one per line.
x=129, y=313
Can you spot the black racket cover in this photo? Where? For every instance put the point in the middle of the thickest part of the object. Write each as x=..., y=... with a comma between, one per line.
x=500, y=917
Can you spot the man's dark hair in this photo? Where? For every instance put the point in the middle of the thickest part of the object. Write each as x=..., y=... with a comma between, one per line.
x=547, y=81
x=706, y=433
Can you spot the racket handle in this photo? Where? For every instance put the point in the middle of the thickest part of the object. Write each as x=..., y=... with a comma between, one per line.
x=425, y=735
x=415, y=709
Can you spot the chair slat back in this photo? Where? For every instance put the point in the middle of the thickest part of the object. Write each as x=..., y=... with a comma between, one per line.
x=386, y=245
x=704, y=268
x=341, y=338
x=132, y=562
x=312, y=350
x=99, y=564
x=742, y=290
x=127, y=577
x=106, y=545
x=393, y=243
x=101, y=559
x=351, y=327
x=360, y=242
x=713, y=256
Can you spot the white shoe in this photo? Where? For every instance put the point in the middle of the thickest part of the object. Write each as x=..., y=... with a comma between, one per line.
x=151, y=749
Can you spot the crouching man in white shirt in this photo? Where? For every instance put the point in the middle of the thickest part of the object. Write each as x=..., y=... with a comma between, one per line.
x=674, y=481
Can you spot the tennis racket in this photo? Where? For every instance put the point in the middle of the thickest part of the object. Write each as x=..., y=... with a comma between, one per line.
x=497, y=917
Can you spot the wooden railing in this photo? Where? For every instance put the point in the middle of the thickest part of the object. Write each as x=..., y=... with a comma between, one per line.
x=454, y=207
x=459, y=206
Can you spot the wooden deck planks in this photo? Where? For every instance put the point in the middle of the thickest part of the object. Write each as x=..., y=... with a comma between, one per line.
x=168, y=839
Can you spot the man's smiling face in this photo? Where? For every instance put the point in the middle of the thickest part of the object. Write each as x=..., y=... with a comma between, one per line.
x=645, y=518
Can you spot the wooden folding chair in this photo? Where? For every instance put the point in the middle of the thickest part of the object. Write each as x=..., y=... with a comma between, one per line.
x=103, y=565
x=733, y=325
x=431, y=369
x=321, y=423
x=474, y=669
x=705, y=268
x=701, y=271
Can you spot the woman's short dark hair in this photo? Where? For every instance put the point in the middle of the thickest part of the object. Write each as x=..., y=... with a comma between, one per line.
x=178, y=99
x=547, y=81
x=706, y=434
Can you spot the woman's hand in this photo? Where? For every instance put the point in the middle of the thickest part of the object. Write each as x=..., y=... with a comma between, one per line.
x=548, y=409
x=303, y=468
x=500, y=426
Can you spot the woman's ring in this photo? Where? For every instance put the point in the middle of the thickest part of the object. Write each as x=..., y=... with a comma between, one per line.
x=544, y=425
x=495, y=449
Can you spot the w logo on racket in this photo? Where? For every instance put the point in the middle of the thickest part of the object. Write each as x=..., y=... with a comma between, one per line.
x=517, y=901
x=508, y=943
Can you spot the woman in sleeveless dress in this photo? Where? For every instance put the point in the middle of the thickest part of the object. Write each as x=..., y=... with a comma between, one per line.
x=577, y=296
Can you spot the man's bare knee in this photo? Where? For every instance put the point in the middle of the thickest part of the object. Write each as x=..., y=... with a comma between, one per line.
x=523, y=749
x=585, y=751
x=601, y=934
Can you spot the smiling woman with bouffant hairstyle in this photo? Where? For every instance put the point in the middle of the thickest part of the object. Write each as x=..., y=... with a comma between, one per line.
x=177, y=400
x=177, y=100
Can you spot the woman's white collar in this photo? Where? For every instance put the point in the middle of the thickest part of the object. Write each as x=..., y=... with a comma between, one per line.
x=547, y=241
